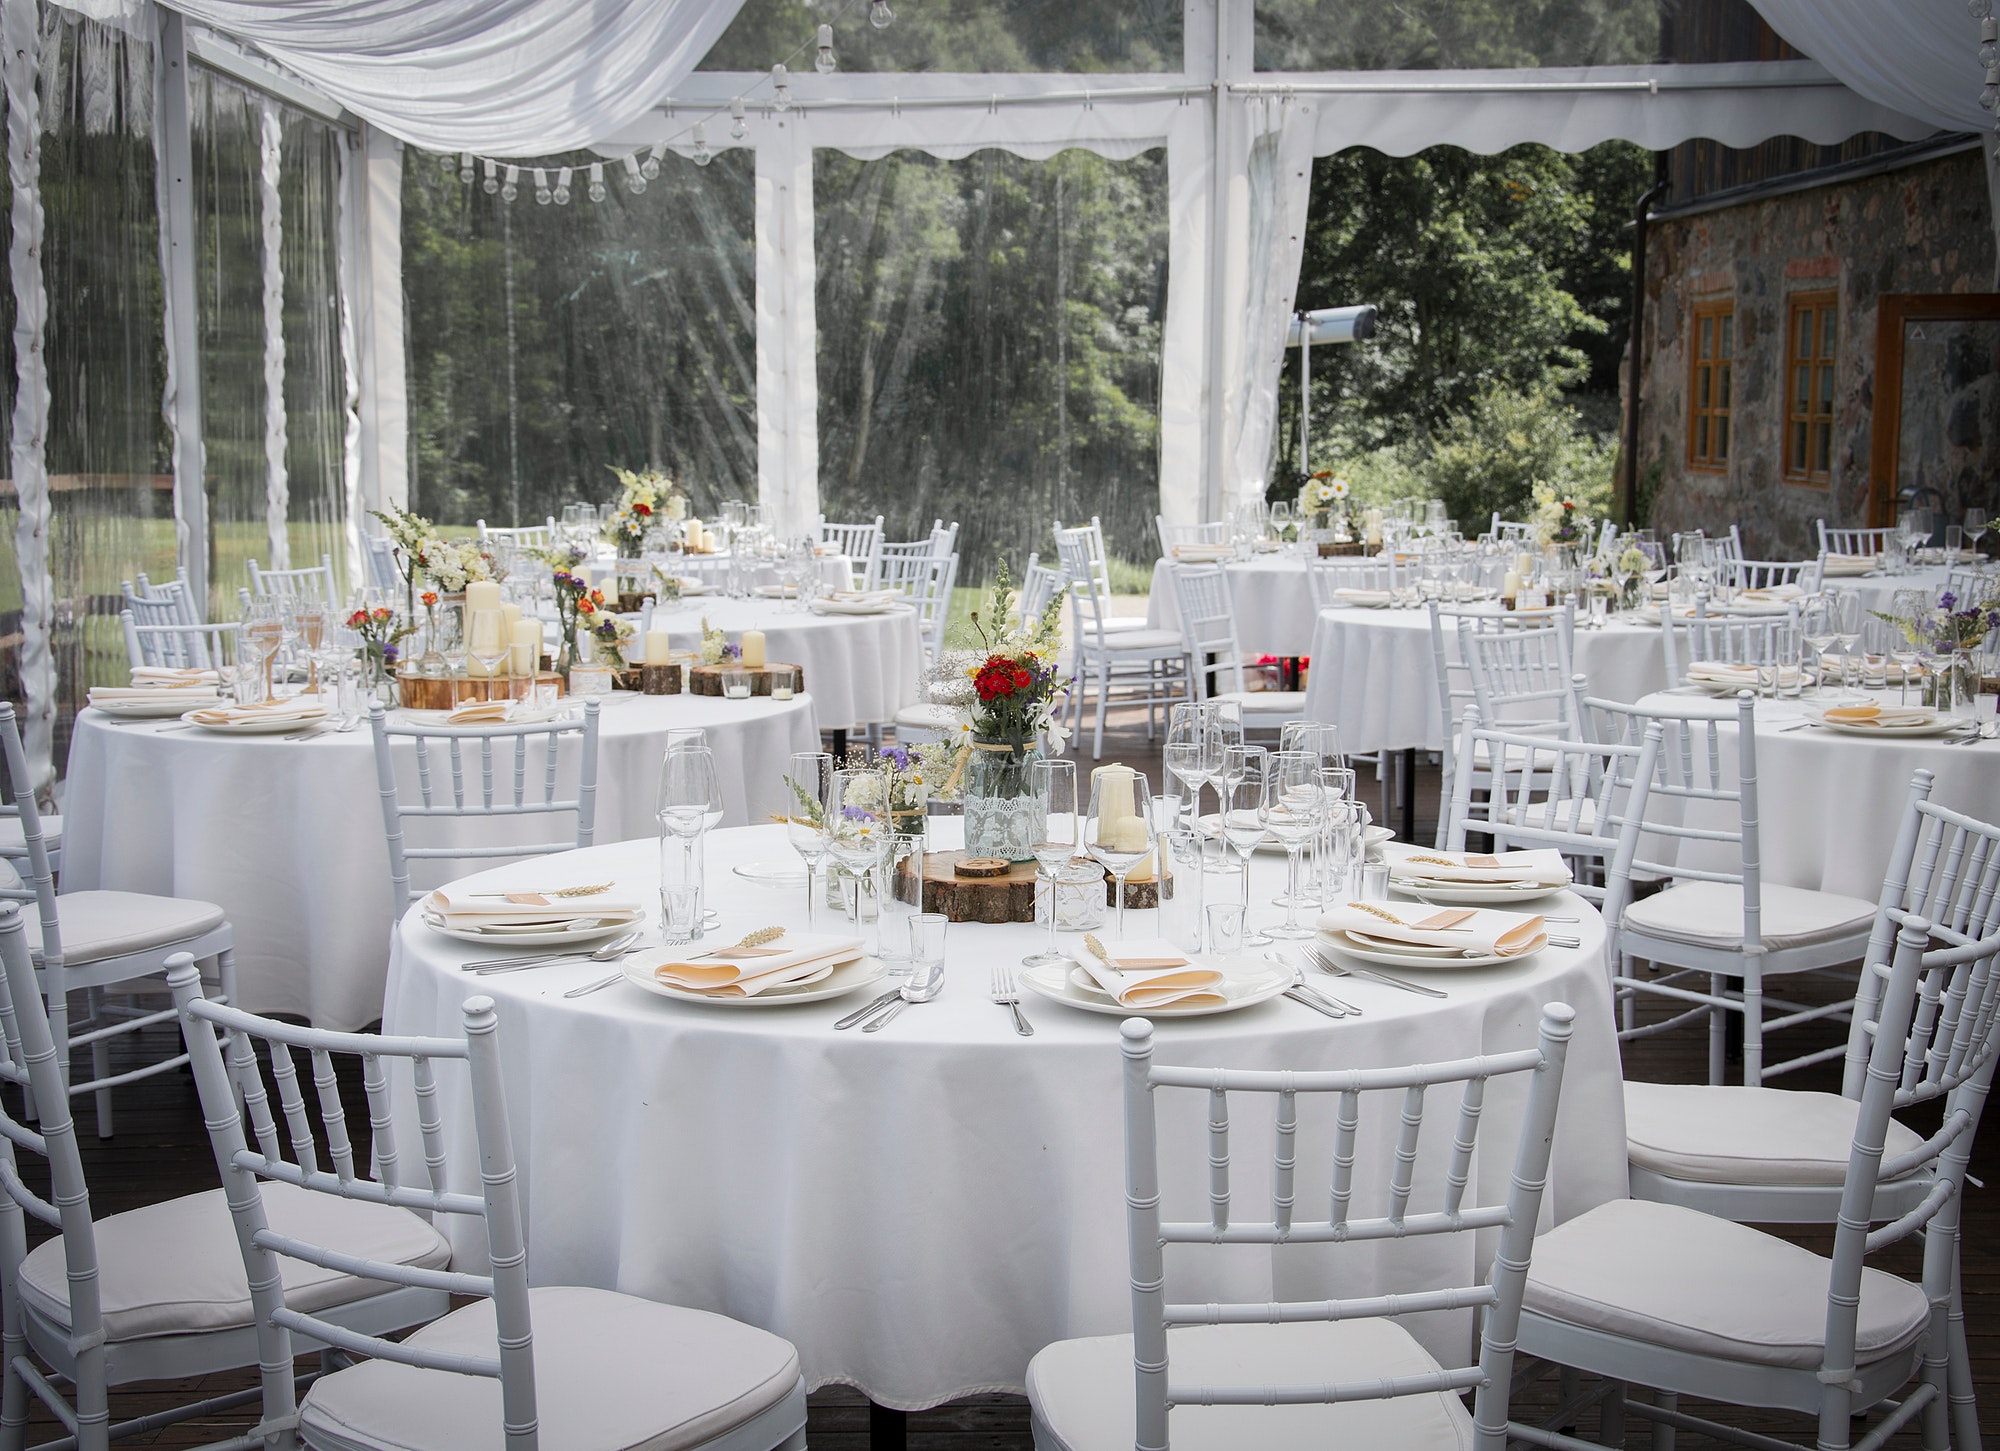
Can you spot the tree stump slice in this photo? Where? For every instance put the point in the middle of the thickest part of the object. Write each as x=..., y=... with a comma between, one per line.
x=707, y=679
x=1008, y=898
x=1142, y=887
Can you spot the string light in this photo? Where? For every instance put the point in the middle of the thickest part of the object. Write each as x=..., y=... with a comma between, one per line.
x=824, y=62
x=880, y=15
x=702, y=155
x=543, y=195
x=492, y=182
x=650, y=167
x=510, y=188
x=781, y=88
x=596, y=189
x=737, y=130
x=562, y=186
x=465, y=168
x=635, y=182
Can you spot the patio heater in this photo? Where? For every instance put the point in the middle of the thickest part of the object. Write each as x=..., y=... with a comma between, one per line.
x=1322, y=325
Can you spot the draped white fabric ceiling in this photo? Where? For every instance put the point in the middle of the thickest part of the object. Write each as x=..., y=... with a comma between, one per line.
x=1914, y=56
x=501, y=77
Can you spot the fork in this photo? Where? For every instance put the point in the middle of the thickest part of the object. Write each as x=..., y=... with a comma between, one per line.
x=1007, y=994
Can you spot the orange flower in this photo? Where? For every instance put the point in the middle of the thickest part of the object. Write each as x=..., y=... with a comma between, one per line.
x=383, y=615
x=429, y=597
x=585, y=607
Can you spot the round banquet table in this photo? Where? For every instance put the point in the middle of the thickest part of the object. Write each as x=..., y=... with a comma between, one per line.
x=860, y=668
x=287, y=835
x=1373, y=675
x=1830, y=802
x=920, y=1210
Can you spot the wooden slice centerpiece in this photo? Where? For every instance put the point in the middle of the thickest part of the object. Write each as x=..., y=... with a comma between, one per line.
x=707, y=679
x=968, y=888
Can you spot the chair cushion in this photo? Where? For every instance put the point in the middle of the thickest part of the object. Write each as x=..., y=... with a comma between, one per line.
x=13, y=842
x=943, y=719
x=174, y=1268
x=1257, y=702
x=1710, y=914
x=1134, y=640
x=1081, y=1390
x=98, y=925
x=1725, y=1134
x=1685, y=1280
x=612, y=1373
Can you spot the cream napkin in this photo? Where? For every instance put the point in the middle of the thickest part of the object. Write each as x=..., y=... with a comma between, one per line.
x=466, y=907
x=480, y=712
x=161, y=675
x=1364, y=596
x=743, y=972
x=1846, y=566
x=865, y=596
x=1204, y=553
x=193, y=693
x=1877, y=715
x=300, y=708
x=1543, y=867
x=1150, y=973
x=1506, y=934
x=1773, y=594
x=1720, y=672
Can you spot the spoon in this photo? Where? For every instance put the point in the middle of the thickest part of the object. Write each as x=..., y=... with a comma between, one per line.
x=611, y=951
x=909, y=993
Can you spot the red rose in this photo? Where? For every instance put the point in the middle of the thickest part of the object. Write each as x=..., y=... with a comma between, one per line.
x=356, y=620
x=643, y=510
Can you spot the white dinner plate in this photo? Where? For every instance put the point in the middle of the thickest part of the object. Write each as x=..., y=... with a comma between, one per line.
x=585, y=929
x=1374, y=836
x=1937, y=725
x=1410, y=954
x=772, y=874
x=776, y=592
x=837, y=981
x=1471, y=894
x=1244, y=985
x=172, y=705
x=255, y=727
x=854, y=607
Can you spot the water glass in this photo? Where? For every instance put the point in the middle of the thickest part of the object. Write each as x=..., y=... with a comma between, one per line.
x=1180, y=889
x=926, y=933
x=1225, y=928
x=680, y=913
x=1374, y=881
x=247, y=680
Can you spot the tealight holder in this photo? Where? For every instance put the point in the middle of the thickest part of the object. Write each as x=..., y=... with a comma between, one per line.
x=735, y=683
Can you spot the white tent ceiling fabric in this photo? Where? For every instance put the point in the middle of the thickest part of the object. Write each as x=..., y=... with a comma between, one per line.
x=499, y=77
x=1914, y=56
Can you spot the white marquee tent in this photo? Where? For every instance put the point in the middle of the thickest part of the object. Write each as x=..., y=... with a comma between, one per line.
x=503, y=82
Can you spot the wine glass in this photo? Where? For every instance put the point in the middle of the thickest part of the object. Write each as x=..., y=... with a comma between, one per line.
x=811, y=779
x=264, y=631
x=1224, y=729
x=1244, y=771
x=1055, y=783
x=1976, y=525
x=1912, y=611
x=688, y=789
x=1819, y=623
x=1119, y=830
x=1288, y=812
x=309, y=618
x=486, y=640
x=857, y=826
x=451, y=643
x=1848, y=617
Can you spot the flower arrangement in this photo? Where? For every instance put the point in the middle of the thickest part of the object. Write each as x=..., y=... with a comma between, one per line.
x=1557, y=518
x=614, y=635
x=666, y=587
x=715, y=646
x=1954, y=625
x=577, y=605
x=1015, y=680
x=380, y=633
x=643, y=498
x=423, y=553
x=1321, y=492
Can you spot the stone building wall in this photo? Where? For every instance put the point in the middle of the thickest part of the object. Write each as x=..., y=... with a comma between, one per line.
x=1922, y=228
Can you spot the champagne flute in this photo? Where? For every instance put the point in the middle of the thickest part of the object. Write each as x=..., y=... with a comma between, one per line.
x=451, y=644
x=688, y=788
x=857, y=826
x=1819, y=622
x=1289, y=811
x=1119, y=830
x=1225, y=729
x=1912, y=609
x=1848, y=617
x=310, y=617
x=1244, y=772
x=1055, y=783
x=486, y=640
x=1976, y=525
x=1187, y=725
x=264, y=631
x=811, y=775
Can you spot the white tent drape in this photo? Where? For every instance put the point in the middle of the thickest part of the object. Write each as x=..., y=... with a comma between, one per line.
x=1919, y=57
x=277, y=478
x=501, y=77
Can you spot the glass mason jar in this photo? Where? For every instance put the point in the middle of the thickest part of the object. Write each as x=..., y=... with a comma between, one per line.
x=1954, y=682
x=1004, y=816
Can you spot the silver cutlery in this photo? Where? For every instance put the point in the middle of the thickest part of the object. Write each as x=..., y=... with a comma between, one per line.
x=1007, y=994
x=591, y=987
x=908, y=993
x=611, y=951
x=1367, y=974
x=1312, y=998
x=873, y=1005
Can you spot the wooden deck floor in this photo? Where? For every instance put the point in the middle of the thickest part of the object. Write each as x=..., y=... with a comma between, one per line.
x=161, y=1151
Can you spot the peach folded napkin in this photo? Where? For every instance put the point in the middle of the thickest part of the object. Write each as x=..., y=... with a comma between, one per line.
x=1204, y=553
x=742, y=972
x=865, y=596
x=1847, y=566
x=480, y=712
x=1504, y=934
x=193, y=694
x=155, y=676
x=1543, y=867
x=1363, y=596
x=1773, y=594
x=1149, y=972
x=300, y=708
x=1872, y=714
x=465, y=907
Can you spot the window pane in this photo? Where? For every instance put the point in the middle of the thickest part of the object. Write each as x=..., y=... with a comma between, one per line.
x=1722, y=436
x=631, y=341
x=1728, y=348
x=1825, y=399
x=1805, y=332
x=1823, y=448
x=1826, y=332
x=1701, y=386
x=959, y=35
x=1705, y=324
x=1725, y=370
x=1701, y=436
x=989, y=345
x=1796, y=461
x=1802, y=390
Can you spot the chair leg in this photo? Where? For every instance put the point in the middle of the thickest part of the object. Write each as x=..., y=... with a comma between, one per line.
x=1663, y=1434
x=1611, y=1416
x=1628, y=1006
x=1753, y=1028
x=1718, y=1031
x=1836, y=1431
x=14, y=1395
x=1958, y=1372
x=1103, y=699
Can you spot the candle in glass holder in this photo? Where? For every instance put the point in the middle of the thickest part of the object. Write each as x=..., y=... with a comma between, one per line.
x=753, y=649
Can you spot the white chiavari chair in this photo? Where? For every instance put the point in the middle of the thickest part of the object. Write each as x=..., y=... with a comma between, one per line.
x=1208, y=629
x=941, y=540
x=1200, y=541
x=1799, y=575
x=93, y=941
x=378, y=553
x=1525, y=679
x=1665, y=1296
x=562, y=1366
x=314, y=582
x=1853, y=541
x=1344, y=579
x=860, y=543
x=1097, y=570
x=521, y=536
x=1725, y=639
x=1453, y=673
x=1150, y=662
x=1729, y=547
x=927, y=580
x=1327, y=1372
x=1040, y=584
x=1718, y=931
x=1966, y=584
x=164, y=626
x=157, y=1292
x=484, y=773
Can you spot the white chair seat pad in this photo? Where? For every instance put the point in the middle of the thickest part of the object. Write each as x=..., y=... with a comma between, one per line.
x=927, y=717
x=1684, y=1280
x=174, y=1268
x=1081, y=1390
x=13, y=841
x=1710, y=914
x=612, y=1373
x=1729, y=1134
x=98, y=925
x=1262, y=702
x=1134, y=641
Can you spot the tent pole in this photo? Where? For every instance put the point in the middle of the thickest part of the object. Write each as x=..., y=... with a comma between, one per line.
x=174, y=163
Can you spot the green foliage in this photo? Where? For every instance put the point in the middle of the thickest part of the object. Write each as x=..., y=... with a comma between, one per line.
x=959, y=35
x=1436, y=34
x=1490, y=457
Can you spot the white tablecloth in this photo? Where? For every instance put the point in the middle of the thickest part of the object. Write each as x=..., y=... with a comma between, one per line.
x=288, y=836
x=922, y=1209
x=1373, y=675
x=860, y=668
x=1830, y=802
x=1274, y=608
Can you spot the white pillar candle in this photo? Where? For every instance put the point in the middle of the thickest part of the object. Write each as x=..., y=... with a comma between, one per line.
x=659, y=648
x=1114, y=800
x=753, y=649
x=691, y=535
x=481, y=594
x=511, y=613
x=524, y=653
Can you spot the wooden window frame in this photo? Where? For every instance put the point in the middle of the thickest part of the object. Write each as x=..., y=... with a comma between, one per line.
x=1894, y=312
x=1700, y=460
x=1818, y=410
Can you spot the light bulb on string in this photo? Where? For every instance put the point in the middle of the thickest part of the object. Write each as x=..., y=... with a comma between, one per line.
x=596, y=190
x=1989, y=54
x=702, y=155
x=562, y=187
x=650, y=167
x=1979, y=9
x=449, y=162
x=1989, y=97
x=510, y=188
x=824, y=62
x=880, y=15
x=492, y=182
x=465, y=169
x=781, y=88
x=634, y=182
x=737, y=130
x=542, y=193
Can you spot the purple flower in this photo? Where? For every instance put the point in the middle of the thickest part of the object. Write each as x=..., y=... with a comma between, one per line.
x=1947, y=600
x=897, y=757
x=390, y=654
x=856, y=813
x=732, y=652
